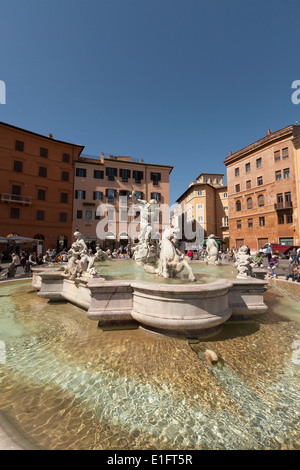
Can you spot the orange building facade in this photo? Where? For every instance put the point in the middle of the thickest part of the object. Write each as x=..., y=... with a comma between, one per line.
x=204, y=208
x=37, y=177
x=262, y=191
x=102, y=206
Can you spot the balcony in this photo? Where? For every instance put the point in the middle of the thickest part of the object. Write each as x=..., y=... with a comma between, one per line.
x=283, y=205
x=24, y=200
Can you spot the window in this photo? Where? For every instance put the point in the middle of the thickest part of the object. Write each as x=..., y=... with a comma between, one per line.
x=280, y=198
x=125, y=175
x=19, y=145
x=79, y=194
x=225, y=208
x=41, y=195
x=247, y=167
x=278, y=175
x=238, y=206
x=111, y=194
x=110, y=214
x=261, y=221
x=289, y=218
x=212, y=180
x=123, y=215
x=79, y=214
x=155, y=178
x=250, y=223
x=138, y=176
x=260, y=181
x=258, y=163
x=66, y=157
x=139, y=195
x=288, y=197
x=200, y=218
x=156, y=196
x=237, y=188
x=237, y=172
x=63, y=217
x=14, y=213
x=199, y=206
x=277, y=156
x=16, y=192
x=111, y=173
x=248, y=184
x=249, y=203
x=238, y=224
x=18, y=166
x=40, y=215
x=261, y=200
x=199, y=193
x=43, y=152
x=81, y=172
x=64, y=198
x=43, y=172
x=88, y=215
x=280, y=219
x=98, y=174
x=65, y=176
x=205, y=180
x=225, y=195
x=218, y=180
x=97, y=196
x=286, y=173
x=285, y=153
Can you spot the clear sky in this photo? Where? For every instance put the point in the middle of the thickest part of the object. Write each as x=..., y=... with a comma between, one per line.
x=176, y=82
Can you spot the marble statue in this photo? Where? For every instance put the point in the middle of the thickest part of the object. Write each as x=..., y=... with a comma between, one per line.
x=80, y=262
x=213, y=256
x=145, y=252
x=171, y=261
x=243, y=263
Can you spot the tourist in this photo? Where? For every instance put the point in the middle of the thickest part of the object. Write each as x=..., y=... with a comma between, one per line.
x=269, y=253
x=293, y=273
x=22, y=261
x=293, y=254
x=257, y=260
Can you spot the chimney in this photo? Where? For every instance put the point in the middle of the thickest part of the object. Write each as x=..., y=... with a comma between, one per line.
x=269, y=131
x=102, y=157
x=50, y=136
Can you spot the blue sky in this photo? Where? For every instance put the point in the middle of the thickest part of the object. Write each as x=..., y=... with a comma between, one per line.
x=175, y=82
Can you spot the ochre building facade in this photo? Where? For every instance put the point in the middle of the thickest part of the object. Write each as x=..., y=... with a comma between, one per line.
x=262, y=191
x=37, y=176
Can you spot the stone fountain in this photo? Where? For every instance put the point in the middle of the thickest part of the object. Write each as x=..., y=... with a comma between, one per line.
x=183, y=310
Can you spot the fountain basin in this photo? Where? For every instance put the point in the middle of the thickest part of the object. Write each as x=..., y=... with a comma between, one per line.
x=182, y=310
x=178, y=310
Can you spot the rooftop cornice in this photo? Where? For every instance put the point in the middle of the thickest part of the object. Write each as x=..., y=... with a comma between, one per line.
x=270, y=139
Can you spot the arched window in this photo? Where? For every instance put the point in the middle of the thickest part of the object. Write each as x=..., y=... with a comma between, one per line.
x=249, y=203
x=261, y=200
x=238, y=206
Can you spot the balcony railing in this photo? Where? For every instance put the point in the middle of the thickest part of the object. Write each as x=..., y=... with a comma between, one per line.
x=5, y=197
x=283, y=205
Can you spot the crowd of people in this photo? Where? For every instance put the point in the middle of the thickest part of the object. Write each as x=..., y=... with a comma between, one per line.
x=28, y=260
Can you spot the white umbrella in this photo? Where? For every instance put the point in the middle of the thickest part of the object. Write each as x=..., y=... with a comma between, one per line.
x=17, y=239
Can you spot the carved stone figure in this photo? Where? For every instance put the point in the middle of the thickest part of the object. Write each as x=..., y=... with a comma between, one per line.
x=171, y=261
x=212, y=247
x=243, y=262
x=147, y=211
x=80, y=263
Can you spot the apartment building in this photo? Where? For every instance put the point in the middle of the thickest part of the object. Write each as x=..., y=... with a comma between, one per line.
x=263, y=190
x=36, y=174
x=102, y=206
x=203, y=209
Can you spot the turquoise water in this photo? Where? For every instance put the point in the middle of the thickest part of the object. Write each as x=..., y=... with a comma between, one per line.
x=67, y=385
